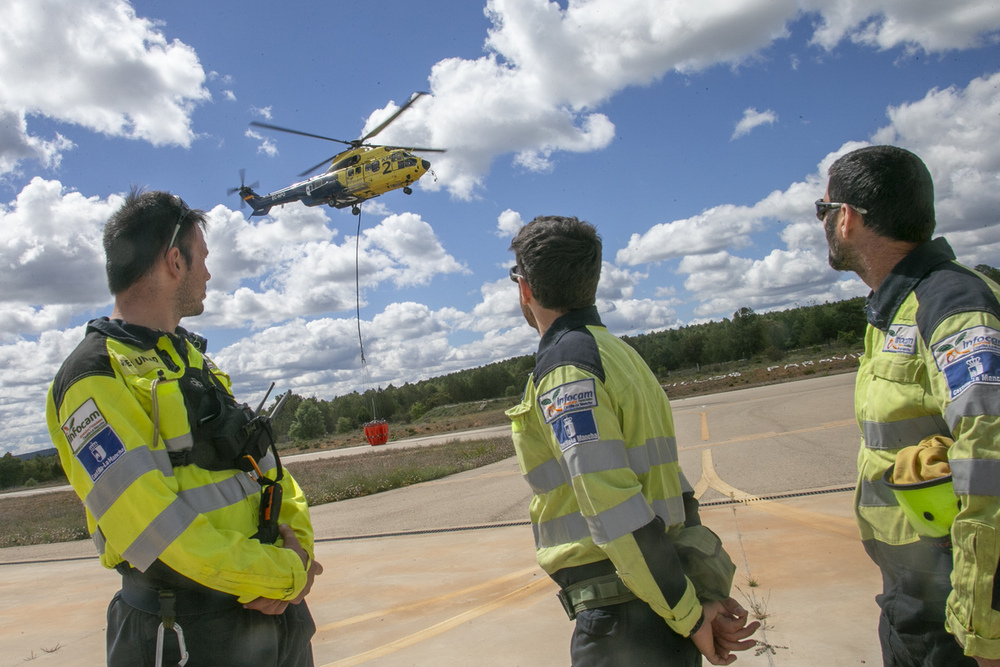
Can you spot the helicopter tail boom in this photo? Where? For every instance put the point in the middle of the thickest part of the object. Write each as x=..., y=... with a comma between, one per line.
x=257, y=203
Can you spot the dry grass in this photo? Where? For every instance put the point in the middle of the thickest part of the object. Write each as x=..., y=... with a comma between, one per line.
x=346, y=477
x=59, y=516
x=41, y=519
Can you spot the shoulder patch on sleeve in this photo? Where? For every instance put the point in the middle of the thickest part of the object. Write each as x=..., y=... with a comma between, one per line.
x=83, y=424
x=569, y=397
x=94, y=443
x=968, y=358
x=901, y=339
x=574, y=428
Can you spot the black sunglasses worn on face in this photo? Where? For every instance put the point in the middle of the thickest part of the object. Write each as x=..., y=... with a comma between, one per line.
x=823, y=206
x=514, y=273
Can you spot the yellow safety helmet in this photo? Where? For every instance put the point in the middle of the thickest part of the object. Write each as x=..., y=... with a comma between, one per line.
x=930, y=506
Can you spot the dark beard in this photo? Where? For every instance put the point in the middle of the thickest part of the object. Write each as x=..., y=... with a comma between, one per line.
x=839, y=257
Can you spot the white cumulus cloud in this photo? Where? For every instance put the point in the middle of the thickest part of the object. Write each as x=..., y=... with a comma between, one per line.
x=753, y=119
x=96, y=64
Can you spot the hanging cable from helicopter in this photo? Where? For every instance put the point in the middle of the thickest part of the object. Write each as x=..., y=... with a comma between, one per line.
x=376, y=430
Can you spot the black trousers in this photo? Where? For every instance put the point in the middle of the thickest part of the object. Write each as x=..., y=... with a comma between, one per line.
x=234, y=637
x=916, y=581
x=629, y=635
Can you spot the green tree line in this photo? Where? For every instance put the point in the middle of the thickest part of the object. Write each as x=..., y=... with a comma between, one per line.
x=15, y=471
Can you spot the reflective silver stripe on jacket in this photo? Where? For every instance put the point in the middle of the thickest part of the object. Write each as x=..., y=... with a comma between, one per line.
x=267, y=463
x=670, y=510
x=131, y=466
x=600, y=457
x=224, y=493
x=655, y=451
x=179, y=443
x=903, y=433
x=179, y=514
x=574, y=527
x=160, y=534
x=546, y=477
x=609, y=525
x=561, y=530
x=685, y=484
x=99, y=542
x=622, y=519
x=606, y=455
x=976, y=477
x=979, y=399
x=876, y=494
x=596, y=457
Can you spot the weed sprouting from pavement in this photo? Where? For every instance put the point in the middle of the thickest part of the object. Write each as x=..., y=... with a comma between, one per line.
x=757, y=604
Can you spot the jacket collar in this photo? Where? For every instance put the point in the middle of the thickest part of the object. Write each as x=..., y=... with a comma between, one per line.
x=140, y=336
x=883, y=303
x=574, y=319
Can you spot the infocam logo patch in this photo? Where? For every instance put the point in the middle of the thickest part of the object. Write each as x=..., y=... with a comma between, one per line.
x=901, y=339
x=579, y=395
x=575, y=427
x=969, y=358
x=976, y=340
x=86, y=421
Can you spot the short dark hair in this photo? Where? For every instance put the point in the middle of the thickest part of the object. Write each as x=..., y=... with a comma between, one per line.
x=893, y=185
x=141, y=230
x=560, y=257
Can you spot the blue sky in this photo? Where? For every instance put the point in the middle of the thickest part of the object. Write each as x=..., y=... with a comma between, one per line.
x=694, y=135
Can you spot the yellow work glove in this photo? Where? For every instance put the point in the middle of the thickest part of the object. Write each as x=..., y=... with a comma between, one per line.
x=925, y=461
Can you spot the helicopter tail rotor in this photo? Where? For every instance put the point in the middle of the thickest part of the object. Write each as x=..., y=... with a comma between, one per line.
x=243, y=188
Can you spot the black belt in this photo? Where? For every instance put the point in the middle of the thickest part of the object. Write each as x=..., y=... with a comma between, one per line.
x=143, y=593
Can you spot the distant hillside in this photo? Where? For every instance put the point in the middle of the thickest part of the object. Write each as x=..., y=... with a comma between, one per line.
x=51, y=451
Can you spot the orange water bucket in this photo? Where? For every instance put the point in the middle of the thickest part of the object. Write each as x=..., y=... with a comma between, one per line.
x=377, y=432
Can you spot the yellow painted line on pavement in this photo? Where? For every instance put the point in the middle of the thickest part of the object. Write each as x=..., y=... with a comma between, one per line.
x=429, y=601
x=444, y=626
x=833, y=524
x=772, y=434
x=702, y=486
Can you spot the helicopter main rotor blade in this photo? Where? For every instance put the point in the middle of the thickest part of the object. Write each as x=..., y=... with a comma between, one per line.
x=384, y=124
x=304, y=134
x=407, y=148
x=317, y=166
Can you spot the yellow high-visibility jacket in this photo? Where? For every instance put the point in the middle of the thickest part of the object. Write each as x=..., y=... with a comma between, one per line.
x=594, y=437
x=932, y=367
x=115, y=412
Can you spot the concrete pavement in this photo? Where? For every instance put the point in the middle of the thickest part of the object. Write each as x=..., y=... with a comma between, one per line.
x=444, y=572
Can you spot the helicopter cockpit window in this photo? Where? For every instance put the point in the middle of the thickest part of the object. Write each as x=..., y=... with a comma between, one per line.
x=397, y=156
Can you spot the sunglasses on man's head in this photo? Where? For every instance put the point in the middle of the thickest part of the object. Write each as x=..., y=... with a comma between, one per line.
x=823, y=206
x=184, y=212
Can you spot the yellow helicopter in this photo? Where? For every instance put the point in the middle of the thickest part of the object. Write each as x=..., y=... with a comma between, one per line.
x=361, y=172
